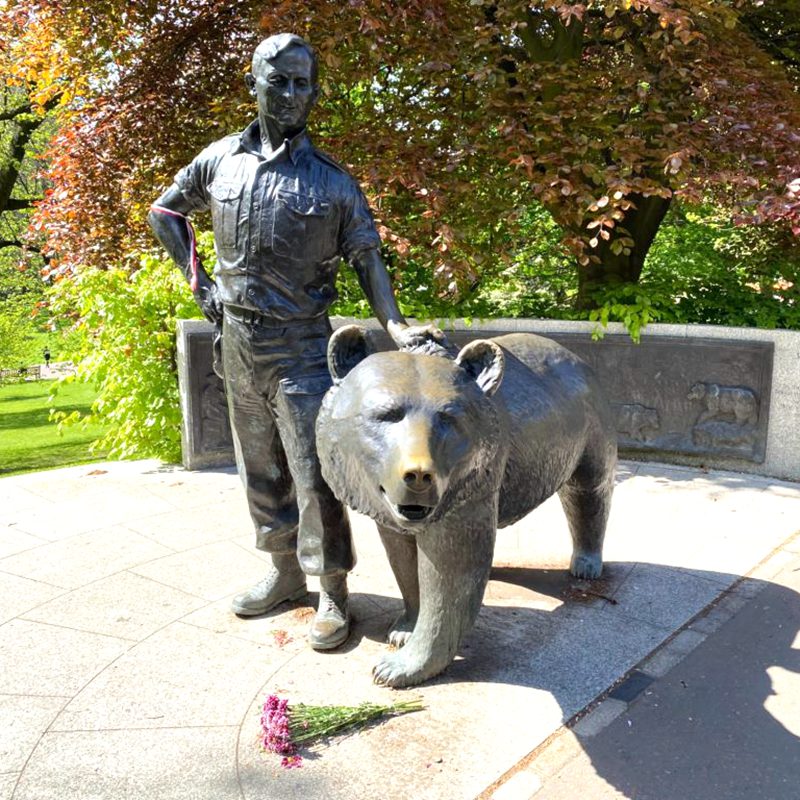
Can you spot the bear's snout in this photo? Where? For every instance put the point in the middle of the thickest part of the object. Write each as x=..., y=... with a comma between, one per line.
x=419, y=478
x=412, y=486
x=413, y=482
x=413, y=475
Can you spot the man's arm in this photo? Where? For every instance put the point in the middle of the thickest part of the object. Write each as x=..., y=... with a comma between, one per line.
x=377, y=286
x=168, y=218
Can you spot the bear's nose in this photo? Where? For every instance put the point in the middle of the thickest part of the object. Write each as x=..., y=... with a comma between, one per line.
x=418, y=479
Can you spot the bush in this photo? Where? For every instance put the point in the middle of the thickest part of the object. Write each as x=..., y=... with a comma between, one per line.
x=128, y=350
x=702, y=269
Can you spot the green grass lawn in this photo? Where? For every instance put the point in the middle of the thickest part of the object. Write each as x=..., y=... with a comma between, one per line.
x=29, y=441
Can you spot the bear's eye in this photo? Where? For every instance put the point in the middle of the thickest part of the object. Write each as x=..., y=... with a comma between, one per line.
x=389, y=414
x=446, y=419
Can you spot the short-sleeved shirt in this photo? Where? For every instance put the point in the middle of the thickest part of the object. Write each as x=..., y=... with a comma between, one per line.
x=282, y=220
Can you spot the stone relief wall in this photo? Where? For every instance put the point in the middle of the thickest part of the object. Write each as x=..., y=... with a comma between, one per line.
x=703, y=398
x=696, y=396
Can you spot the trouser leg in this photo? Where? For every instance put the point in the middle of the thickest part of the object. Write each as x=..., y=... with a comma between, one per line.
x=260, y=456
x=325, y=543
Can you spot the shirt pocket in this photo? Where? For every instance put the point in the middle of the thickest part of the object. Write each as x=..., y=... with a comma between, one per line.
x=226, y=203
x=302, y=227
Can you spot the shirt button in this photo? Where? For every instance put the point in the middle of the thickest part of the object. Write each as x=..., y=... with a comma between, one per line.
x=251, y=292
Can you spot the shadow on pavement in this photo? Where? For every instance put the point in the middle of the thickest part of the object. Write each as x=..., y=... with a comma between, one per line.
x=712, y=729
x=722, y=724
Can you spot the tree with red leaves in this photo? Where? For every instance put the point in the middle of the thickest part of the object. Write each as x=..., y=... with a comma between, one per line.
x=456, y=116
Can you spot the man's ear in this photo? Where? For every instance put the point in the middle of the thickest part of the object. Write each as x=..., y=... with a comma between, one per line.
x=250, y=82
x=348, y=346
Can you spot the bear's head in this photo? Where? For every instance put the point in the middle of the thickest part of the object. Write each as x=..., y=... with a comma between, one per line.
x=406, y=437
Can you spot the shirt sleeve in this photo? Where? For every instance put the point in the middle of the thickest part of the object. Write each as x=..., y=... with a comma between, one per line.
x=193, y=180
x=358, y=231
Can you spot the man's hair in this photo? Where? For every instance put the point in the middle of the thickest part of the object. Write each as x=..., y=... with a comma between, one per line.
x=273, y=46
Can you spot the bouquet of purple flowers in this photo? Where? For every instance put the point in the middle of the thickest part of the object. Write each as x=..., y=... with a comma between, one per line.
x=286, y=726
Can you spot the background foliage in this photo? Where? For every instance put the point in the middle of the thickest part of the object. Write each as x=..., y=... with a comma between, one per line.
x=618, y=159
x=128, y=349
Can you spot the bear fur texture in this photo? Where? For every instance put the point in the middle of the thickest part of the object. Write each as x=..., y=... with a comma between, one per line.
x=440, y=452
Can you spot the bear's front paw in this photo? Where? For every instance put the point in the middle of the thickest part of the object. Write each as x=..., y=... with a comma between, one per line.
x=586, y=565
x=403, y=668
x=401, y=630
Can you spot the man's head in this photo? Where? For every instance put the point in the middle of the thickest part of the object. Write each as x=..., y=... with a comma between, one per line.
x=284, y=82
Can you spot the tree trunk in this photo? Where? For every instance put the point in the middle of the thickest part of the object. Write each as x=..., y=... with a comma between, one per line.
x=25, y=123
x=642, y=223
x=546, y=39
x=14, y=157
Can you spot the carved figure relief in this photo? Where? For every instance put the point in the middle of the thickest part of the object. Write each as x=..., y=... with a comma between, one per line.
x=728, y=418
x=637, y=421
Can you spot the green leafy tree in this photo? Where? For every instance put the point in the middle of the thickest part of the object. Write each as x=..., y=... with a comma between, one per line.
x=19, y=293
x=25, y=129
x=23, y=132
x=128, y=351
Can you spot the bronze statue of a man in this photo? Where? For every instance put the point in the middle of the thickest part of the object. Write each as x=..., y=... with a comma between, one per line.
x=283, y=214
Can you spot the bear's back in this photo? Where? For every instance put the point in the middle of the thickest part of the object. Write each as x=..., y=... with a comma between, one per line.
x=554, y=405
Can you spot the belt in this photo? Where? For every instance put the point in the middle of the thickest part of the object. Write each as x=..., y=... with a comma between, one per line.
x=263, y=321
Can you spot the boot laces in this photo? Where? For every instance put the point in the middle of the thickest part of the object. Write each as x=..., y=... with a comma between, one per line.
x=330, y=602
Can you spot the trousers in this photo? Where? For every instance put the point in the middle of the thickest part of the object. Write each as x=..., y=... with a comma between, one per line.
x=275, y=379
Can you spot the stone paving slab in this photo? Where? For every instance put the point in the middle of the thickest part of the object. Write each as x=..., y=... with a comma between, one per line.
x=42, y=659
x=183, y=764
x=18, y=595
x=125, y=605
x=127, y=677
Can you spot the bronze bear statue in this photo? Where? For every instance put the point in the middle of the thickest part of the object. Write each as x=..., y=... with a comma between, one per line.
x=442, y=451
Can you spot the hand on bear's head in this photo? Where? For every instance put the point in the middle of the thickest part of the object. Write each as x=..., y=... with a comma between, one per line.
x=423, y=339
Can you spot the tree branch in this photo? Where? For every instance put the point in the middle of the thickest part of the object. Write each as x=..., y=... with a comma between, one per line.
x=13, y=113
x=19, y=203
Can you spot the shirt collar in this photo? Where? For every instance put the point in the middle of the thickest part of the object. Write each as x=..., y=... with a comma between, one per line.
x=250, y=141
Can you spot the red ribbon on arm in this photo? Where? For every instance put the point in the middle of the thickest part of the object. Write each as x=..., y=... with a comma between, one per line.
x=192, y=241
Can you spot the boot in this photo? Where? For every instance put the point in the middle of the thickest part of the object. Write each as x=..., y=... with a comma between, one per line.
x=331, y=625
x=285, y=581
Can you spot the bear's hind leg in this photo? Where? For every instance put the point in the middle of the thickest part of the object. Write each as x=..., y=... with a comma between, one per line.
x=586, y=499
x=402, y=553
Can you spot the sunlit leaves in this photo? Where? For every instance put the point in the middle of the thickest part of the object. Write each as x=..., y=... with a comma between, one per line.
x=453, y=115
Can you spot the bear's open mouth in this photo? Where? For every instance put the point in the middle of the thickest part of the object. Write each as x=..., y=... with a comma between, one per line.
x=414, y=513
x=408, y=512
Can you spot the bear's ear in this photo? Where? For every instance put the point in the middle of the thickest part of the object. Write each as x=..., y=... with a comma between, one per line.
x=348, y=346
x=484, y=363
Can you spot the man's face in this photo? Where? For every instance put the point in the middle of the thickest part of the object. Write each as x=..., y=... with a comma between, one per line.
x=284, y=89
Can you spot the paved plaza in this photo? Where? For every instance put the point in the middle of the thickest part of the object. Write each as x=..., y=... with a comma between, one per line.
x=124, y=675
